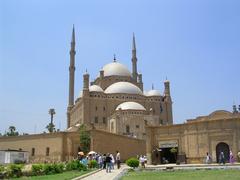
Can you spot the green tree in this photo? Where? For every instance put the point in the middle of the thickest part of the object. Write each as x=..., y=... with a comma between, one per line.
x=84, y=139
x=51, y=127
x=12, y=131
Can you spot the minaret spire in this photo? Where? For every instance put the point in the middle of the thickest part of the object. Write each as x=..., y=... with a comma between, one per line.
x=71, y=76
x=134, y=59
x=134, y=43
x=73, y=34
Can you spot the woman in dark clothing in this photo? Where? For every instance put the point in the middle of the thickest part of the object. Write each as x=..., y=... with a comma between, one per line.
x=108, y=163
x=104, y=161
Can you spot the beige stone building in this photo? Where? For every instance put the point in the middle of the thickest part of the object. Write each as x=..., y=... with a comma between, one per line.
x=219, y=131
x=116, y=101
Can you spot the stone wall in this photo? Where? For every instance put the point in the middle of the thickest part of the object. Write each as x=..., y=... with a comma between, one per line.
x=196, y=138
x=105, y=142
x=39, y=143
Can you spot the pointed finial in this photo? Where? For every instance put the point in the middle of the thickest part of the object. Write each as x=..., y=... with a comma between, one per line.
x=114, y=57
x=133, y=43
x=86, y=71
x=152, y=86
x=73, y=34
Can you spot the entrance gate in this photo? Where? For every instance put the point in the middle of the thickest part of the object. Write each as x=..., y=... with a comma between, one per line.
x=222, y=147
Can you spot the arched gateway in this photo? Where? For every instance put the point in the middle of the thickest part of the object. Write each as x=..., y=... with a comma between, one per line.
x=225, y=149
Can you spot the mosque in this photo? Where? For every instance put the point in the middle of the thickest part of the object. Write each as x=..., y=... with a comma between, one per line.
x=121, y=115
x=116, y=101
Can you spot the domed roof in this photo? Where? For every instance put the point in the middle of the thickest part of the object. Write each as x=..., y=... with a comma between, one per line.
x=95, y=88
x=130, y=106
x=123, y=87
x=153, y=92
x=116, y=69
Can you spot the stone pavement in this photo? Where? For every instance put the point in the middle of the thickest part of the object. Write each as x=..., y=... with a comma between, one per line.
x=103, y=175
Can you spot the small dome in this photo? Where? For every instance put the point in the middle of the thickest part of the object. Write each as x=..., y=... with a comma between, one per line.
x=123, y=87
x=130, y=106
x=116, y=69
x=153, y=92
x=95, y=88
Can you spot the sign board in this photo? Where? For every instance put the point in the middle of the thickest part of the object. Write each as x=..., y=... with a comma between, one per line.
x=168, y=144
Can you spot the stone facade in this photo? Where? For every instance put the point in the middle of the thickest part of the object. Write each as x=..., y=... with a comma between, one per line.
x=196, y=137
x=64, y=146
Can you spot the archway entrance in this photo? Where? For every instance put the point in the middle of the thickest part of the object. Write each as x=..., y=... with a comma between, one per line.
x=222, y=147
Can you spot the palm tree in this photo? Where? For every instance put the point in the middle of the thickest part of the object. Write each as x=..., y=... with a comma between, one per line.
x=51, y=126
x=12, y=131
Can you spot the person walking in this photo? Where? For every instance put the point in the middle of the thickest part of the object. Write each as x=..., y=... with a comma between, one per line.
x=104, y=161
x=118, y=159
x=231, y=157
x=100, y=162
x=208, y=158
x=108, y=163
x=221, y=158
x=142, y=161
x=112, y=161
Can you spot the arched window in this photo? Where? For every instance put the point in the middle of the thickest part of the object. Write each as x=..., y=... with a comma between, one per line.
x=104, y=120
x=33, y=151
x=127, y=129
x=47, y=151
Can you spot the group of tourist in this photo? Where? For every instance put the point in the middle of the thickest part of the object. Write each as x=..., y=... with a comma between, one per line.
x=104, y=161
x=221, y=159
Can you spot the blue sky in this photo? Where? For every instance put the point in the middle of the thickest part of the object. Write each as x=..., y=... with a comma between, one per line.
x=195, y=44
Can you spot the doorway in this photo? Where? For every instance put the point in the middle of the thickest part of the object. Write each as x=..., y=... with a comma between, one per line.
x=222, y=147
x=167, y=156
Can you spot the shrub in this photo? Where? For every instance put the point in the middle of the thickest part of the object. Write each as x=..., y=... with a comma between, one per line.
x=37, y=169
x=93, y=164
x=82, y=167
x=48, y=169
x=58, y=168
x=2, y=170
x=15, y=170
x=133, y=162
x=72, y=165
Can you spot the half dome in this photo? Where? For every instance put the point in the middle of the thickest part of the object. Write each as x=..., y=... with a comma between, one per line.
x=116, y=69
x=95, y=88
x=131, y=106
x=123, y=87
x=153, y=92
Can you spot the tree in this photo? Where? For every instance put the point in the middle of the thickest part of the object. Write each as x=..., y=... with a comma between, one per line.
x=51, y=127
x=12, y=131
x=84, y=139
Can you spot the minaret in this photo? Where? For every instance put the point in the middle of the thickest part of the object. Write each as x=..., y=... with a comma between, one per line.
x=134, y=59
x=71, y=77
x=168, y=102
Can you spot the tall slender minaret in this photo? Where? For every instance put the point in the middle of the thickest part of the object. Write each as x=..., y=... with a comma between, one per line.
x=71, y=77
x=134, y=59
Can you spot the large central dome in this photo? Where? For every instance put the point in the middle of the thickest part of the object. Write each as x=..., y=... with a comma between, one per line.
x=123, y=87
x=116, y=69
